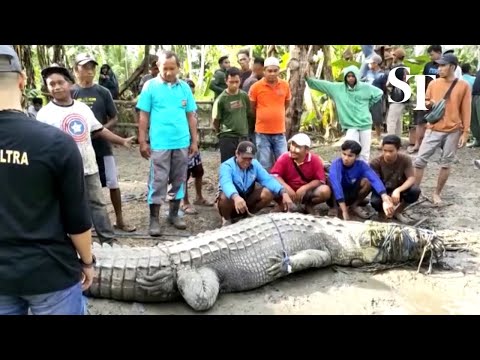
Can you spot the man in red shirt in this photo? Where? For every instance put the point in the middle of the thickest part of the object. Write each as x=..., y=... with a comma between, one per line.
x=302, y=174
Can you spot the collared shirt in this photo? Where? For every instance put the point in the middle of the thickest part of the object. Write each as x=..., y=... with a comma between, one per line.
x=312, y=168
x=168, y=105
x=234, y=180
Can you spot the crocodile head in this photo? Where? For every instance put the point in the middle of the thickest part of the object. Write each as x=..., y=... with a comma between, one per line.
x=390, y=243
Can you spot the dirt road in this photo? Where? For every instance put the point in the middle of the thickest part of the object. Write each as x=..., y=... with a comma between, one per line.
x=332, y=291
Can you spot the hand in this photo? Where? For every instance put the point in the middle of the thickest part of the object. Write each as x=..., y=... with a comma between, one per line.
x=301, y=191
x=128, y=142
x=429, y=104
x=287, y=202
x=240, y=204
x=463, y=140
x=291, y=194
x=388, y=208
x=395, y=197
x=87, y=277
x=145, y=150
x=193, y=149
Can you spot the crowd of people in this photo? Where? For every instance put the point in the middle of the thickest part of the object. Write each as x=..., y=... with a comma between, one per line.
x=46, y=258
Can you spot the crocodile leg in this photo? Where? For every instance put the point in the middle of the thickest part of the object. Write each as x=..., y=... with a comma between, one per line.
x=300, y=261
x=199, y=287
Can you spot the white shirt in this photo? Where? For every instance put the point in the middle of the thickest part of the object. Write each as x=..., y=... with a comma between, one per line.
x=458, y=72
x=78, y=121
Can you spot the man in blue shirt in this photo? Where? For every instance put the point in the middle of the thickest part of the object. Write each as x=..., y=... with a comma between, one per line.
x=238, y=194
x=168, y=107
x=351, y=180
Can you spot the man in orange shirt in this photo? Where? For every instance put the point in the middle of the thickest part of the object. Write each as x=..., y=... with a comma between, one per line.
x=270, y=98
x=451, y=131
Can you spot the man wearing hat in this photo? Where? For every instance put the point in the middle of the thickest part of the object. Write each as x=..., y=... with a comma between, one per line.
x=302, y=174
x=76, y=119
x=270, y=97
x=238, y=194
x=451, y=131
x=45, y=233
x=100, y=101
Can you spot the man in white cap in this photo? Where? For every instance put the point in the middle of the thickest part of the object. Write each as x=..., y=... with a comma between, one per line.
x=45, y=233
x=302, y=174
x=270, y=97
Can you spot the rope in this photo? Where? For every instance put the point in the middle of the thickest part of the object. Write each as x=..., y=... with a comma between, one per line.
x=286, y=265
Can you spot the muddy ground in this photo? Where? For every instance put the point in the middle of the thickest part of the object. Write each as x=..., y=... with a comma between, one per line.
x=331, y=290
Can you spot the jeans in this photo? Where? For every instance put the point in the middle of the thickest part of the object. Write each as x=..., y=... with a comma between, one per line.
x=68, y=301
x=269, y=148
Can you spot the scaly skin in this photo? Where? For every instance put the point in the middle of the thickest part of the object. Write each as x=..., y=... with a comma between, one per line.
x=248, y=255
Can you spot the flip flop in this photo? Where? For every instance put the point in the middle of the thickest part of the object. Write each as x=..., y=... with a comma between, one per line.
x=126, y=228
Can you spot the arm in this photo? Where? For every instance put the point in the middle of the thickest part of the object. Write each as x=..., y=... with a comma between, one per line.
x=226, y=181
x=217, y=85
x=376, y=95
x=144, y=104
x=267, y=180
x=410, y=175
x=112, y=112
x=335, y=175
x=191, y=108
x=216, y=115
x=288, y=97
x=466, y=110
x=374, y=179
x=113, y=138
x=324, y=86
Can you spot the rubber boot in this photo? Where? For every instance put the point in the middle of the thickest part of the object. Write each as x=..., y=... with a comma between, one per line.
x=154, y=229
x=173, y=217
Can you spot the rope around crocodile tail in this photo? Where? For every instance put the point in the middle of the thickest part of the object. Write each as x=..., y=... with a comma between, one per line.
x=401, y=245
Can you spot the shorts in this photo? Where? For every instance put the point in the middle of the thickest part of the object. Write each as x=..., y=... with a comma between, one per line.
x=107, y=169
x=433, y=140
x=418, y=117
x=377, y=113
x=350, y=194
x=195, y=167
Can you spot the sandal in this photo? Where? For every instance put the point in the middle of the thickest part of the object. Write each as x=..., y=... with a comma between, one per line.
x=203, y=202
x=189, y=210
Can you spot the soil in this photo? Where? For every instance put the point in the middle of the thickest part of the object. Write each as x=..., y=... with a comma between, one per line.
x=331, y=290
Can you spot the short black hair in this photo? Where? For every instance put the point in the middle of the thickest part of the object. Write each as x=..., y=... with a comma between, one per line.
x=244, y=51
x=222, y=59
x=233, y=71
x=392, y=140
x=435, y=48
x=353, y=146
x=167, y=54
x=259, y=60
x=190, y=82
x=466, y=68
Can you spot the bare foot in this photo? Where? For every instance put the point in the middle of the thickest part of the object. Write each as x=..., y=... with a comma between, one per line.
x=436, y=199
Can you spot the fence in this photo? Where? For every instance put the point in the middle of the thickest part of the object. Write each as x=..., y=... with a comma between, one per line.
x=128, y=122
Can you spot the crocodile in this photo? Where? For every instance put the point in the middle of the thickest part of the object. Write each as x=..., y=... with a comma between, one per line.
x=249, y=254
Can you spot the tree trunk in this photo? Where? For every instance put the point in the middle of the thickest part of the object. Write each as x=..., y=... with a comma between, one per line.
x=327, y=63
x=271, y=50
x=298, y=65
x=25, y=55
x=58, y=55
x=201, y=75
x=189, y=61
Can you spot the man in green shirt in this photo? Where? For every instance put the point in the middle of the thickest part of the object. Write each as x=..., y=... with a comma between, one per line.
x=232, y=115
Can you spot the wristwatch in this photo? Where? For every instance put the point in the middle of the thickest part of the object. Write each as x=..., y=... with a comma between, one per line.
x=94, y=261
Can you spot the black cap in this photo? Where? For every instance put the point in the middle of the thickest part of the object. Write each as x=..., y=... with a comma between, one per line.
x=246, y=149
x=57, y=69
x=448, y=59
x=82, y=59
x=9, y=60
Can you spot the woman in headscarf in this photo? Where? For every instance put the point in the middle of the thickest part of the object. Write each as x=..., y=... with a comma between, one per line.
x=108, y=79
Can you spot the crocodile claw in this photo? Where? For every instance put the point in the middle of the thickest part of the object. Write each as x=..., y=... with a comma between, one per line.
x=275, y=269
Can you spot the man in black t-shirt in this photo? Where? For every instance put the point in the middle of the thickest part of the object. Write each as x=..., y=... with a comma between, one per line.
x=99, y=99
x=46, y=222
